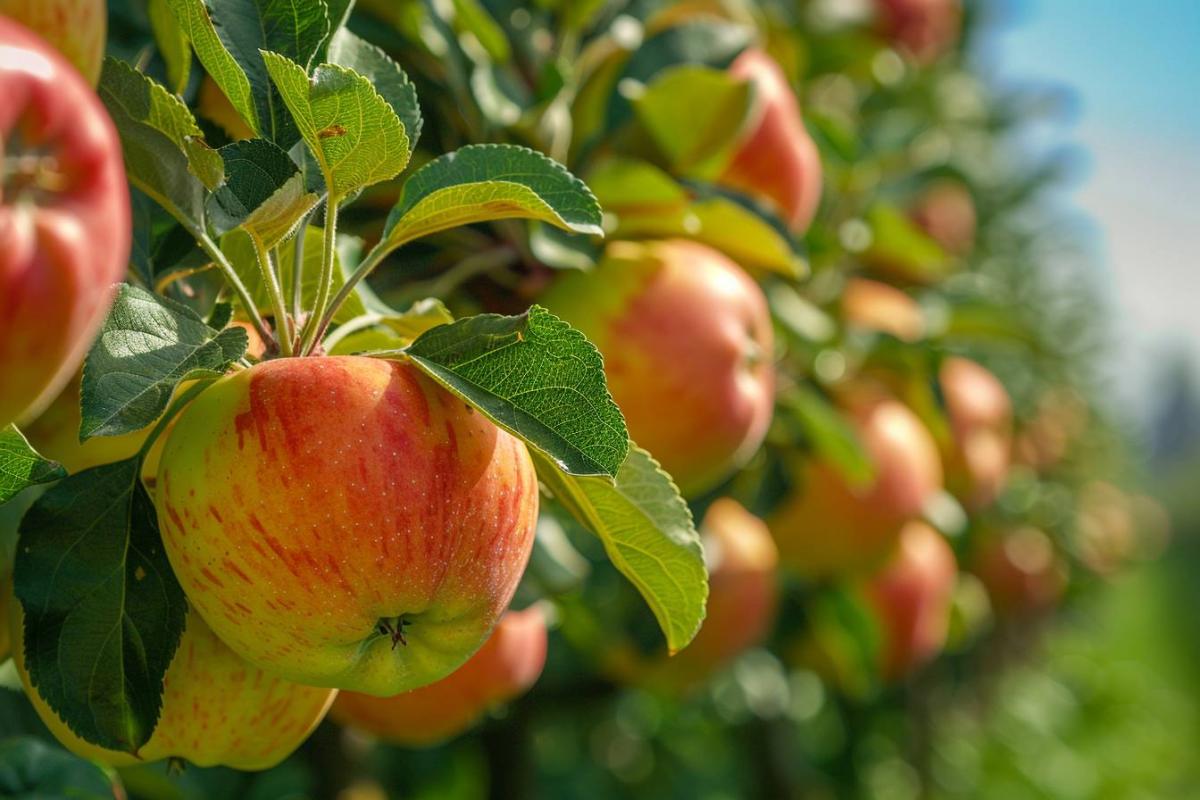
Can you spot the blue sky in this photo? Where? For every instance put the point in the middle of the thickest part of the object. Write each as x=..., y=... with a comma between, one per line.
x=1135, y=68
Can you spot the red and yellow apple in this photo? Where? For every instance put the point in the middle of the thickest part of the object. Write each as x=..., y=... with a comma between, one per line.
x=1021, y=571
x=979, y=450
x=830, y=524
x=345, y=521
x=216, y=709
x=910, y=598
x=64, y=220
x=776, y=159
x=923, y=28
x=76, y=28
x=688, y=351
x=507, y=665
x=877, y=307
x=742, y=595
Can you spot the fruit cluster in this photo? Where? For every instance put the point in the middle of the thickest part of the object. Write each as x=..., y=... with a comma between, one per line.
x=785, y=293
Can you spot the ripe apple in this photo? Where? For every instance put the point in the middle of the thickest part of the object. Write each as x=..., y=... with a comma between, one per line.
x=742, y=596
x=64, y=219
x=910, y=597
x=946, y=212
x=507, y=665
x=1021, y=571
x=776, y=160
x=830, y=525
x=923, y=28
x=344, y=521
x=76, y=28
x=874, y=306
x=216, y=708
x=688, y=348
x=978, y=454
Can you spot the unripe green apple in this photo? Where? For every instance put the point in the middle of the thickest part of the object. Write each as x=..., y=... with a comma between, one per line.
x=742, y=595
x=507, y=665
x=345, y=521
x=910, y=597
x=776, y=160
x=979, y=451
x=688, y=349
x=216, y=708
x=831, y=525
x=877, y=307
x=76, y=28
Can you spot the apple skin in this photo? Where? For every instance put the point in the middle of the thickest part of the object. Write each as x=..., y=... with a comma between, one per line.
x=507, y=665
x=878, y=307
x=979, y=452
x=946, y=212
x=688, y=347
x=832, y=526
x=307, y=503
x=776, y=160
x=742, y=595
x=216, y=710
x=64, y=221
x=1020, y=570
x=910, y=597
x=923, y=28
x=76, y=28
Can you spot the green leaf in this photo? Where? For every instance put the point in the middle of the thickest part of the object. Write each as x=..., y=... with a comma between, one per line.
x=103, y=610
x=229, y=36
x=648, y=534
x=263, y=192
x=536, y=377
x=31, y=768
x=695, y=114
x=165, y=155
x=21, y=466
x=348, y=50
x=389, y=329
x=147, y=346
x=472, y=17
x=172, y=43
x=490, y=181
x=351, y=130
x=831, y=435
x=900, y=249
x=627, y=183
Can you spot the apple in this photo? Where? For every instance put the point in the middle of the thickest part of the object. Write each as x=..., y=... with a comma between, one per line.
x=910, y=598
x=979, y=451
x=1061, y=417
x=830, y=524
x=1105, y=527
x=873, y=306
x=923, y=28
x=688, y=351
x=776, y=159
x=946, y=212
x=1021, y=571
x=742, y=595
x=345, y=521
x=64, y=220
x=216, y=708
x=507, y=665
x=76, y=28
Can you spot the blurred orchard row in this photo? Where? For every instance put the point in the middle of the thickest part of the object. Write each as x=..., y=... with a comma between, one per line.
x=834, y=305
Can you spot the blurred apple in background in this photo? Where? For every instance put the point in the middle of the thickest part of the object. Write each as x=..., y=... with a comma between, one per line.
x=688, y=352
x=979, y=452
x=1021, y=570
x=910, y=596
x=777, y=159
x=925, y=29
x=830, y=525
x=878, y=307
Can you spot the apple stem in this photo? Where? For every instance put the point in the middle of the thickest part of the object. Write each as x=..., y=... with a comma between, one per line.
x=395, y=629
